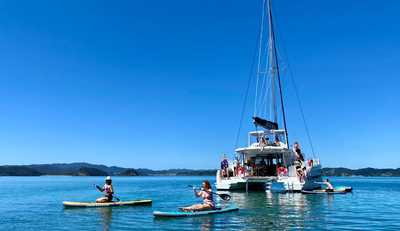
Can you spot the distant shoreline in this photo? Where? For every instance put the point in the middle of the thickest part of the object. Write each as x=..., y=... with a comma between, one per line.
x=86, y=169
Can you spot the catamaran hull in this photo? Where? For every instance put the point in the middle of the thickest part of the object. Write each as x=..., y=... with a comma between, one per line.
x=272, y=184
x=242, y=183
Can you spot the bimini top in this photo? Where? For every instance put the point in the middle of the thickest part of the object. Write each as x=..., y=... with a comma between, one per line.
x=257, y=149
x=267, y=132
x=265, y=123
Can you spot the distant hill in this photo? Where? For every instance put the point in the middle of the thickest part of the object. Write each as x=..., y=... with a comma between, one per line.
x=175, y=172
x=11, y=170
x=361, y=172
x=72, y=169
x=129, y=172
x=86, y=169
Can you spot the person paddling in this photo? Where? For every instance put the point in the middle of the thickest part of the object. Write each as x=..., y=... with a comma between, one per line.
x=329, y=187
x=208, y=201
x=108, y=191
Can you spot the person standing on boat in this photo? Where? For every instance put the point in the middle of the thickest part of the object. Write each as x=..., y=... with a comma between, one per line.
x=224, y=166
x=297, y=152
x=208, y=201
x=108, y=191
x=236, y=166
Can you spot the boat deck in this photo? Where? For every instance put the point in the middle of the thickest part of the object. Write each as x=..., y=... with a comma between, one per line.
x=244, y=183
x=259, y=179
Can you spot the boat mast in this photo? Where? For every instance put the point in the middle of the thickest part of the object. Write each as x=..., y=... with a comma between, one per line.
x=276, y=66
x=272, y=69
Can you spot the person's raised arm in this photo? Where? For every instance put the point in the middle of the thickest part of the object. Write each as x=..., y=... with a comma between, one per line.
x=196, y=193
x=99, y=188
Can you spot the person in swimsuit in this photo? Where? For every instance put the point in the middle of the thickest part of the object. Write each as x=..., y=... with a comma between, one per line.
x=224, y=166
x=277, y=142
x=281, y=170
x=329, y=187
x=108, y=191
x=208, y=201
x=297, y=151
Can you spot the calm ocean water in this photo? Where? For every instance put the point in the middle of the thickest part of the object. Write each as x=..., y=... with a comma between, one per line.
x=34, y=203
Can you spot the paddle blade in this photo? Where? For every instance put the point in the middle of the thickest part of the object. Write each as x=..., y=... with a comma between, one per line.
x=225, y=197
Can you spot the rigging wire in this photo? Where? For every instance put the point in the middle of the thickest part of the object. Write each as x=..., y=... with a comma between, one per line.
x=276, y=62
x=246, y=93
x=264, y=97
x=297, y=94
x=259, y=55
x=301, y=111
x=260, y=38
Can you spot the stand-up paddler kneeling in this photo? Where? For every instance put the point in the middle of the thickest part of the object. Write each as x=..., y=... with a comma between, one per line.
x=108, y=191
x=208, y=201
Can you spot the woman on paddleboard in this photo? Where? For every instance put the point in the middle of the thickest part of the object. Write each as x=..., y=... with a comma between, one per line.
x=206, y=193
x=108, y=191
x=329, y=187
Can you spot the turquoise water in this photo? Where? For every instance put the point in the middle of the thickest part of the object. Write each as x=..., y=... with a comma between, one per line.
x=34, y=203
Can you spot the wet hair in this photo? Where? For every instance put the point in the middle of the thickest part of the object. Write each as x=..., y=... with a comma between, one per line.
x=207, y=184
x=108, y=182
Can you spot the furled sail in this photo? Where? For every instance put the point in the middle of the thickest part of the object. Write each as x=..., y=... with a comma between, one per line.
x=265, y=123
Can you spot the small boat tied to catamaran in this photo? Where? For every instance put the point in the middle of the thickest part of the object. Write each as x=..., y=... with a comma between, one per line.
x=267, y=162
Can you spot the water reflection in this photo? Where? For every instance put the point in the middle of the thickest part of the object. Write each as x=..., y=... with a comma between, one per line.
x=206, y=223
x=106, y=217
x=277, y=211
x=103, y=216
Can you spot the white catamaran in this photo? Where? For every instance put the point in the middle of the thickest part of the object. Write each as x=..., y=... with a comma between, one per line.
x=268, y=161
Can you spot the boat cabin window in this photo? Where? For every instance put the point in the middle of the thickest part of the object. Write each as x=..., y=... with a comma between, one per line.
x=264, y=165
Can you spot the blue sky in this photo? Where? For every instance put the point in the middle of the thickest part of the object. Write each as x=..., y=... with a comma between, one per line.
x=160, y=84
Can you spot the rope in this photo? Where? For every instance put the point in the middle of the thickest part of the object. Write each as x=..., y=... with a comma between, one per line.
x=246, y=94
x=262, y=87
x=298, y=100
x=301, y=111
x=259, y=55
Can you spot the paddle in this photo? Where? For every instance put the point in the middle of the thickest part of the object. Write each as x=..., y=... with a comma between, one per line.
x=101, y=190
x=223, y=196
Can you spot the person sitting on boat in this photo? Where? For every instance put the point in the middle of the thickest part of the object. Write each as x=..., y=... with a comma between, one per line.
x=278, y=142
x=300, y=173
x=305, y=172
x=281, y=170
x=108, y=191
x=329, y=186
x=262, y=169
x=224, y=166
x=242, y=171
x=263, y=141
x=208, y=201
